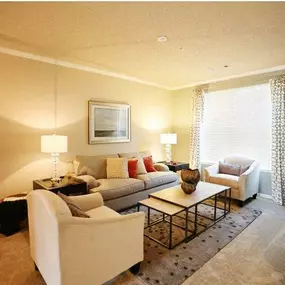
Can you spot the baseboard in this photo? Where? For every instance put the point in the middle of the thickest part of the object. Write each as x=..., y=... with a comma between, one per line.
x=266, y=196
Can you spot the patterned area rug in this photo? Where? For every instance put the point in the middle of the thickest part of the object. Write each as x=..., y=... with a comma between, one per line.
x=164, y=266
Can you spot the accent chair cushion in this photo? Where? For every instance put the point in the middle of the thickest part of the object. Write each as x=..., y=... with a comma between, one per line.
x=118, y=187
x=117, y=167
x=224, y=179
x=148, y=163
x=75, y=210
x=154, y=179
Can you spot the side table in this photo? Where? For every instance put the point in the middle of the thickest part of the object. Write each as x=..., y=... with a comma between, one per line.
x=175, y=166
x=66, y=187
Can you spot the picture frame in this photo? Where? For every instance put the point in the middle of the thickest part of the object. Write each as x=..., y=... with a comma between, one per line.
x=108, y=122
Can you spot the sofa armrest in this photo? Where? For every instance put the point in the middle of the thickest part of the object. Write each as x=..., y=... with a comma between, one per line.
x=160, y=167
x=89, y=201
x=248, y=182
x=210, y=170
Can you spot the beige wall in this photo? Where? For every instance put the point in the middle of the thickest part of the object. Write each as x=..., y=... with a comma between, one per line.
x=182, y=114
x=27, y=111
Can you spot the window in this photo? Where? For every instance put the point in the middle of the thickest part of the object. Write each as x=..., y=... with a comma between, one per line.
x=237, y=121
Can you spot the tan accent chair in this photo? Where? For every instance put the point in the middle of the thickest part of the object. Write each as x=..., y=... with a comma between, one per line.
x=243, y=186
x=69, y=250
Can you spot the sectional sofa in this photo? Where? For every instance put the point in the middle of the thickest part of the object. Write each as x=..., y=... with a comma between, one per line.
x=120, y=193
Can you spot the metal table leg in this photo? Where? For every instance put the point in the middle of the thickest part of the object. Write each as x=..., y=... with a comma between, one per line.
x=186, y=223
x=215, y=208
x=170, y=233
x=230, y=197
x=225, y=204
x=196, y=218
x=148, y=216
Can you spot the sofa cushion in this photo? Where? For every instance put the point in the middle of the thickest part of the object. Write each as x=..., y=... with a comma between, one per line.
x=224, y=179
x=154, y=179
x=132, y=168
x=135, y=154
x=102, y=213
x=97, y=163
x=117, y=187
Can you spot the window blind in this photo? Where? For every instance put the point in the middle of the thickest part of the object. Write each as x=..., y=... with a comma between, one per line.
x=237, y=121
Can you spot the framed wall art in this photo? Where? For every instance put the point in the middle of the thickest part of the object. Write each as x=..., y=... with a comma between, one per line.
x=108, y=122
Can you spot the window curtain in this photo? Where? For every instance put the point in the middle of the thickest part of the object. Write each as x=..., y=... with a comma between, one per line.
x=277, y=88
x=195, y=129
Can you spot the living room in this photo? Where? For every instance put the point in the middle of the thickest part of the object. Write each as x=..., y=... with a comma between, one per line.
x=166, y=61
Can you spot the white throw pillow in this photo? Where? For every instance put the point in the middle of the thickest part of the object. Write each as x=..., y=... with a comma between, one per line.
x=117, y=167
x=140, y=166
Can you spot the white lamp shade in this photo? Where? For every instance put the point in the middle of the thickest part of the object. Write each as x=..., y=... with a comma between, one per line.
x=168, y=139
x=53, y=144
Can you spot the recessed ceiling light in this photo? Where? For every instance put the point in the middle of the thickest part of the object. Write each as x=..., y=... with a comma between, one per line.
x=162, y=39
x=226, y=66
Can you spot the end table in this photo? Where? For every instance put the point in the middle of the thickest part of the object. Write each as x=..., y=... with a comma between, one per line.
x=175, y=165
x=66, y=187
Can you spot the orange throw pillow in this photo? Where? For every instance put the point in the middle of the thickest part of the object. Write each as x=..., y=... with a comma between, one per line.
x=148, y=163
x=132, y=168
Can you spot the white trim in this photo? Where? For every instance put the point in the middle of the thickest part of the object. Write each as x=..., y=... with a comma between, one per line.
x=266, y=196
x=68, y=64
x=256, y=72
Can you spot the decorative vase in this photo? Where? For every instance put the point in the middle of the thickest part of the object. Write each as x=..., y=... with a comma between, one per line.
x=190, y=178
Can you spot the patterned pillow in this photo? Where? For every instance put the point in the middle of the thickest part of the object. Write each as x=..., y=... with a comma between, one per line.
x=117, y=167
x=227, y=168
x=75, y=210
x=243, y=169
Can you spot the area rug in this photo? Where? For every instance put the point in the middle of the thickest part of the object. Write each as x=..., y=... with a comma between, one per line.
x=164, y=266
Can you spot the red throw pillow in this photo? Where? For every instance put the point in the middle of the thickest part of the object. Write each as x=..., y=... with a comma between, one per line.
x=148, y=163
x=132, y=168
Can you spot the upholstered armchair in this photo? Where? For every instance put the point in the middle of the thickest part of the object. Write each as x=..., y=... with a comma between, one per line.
x=69, y=250
x=243, y=186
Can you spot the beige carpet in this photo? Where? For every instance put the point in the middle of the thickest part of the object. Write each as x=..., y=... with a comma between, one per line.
x=256, y=256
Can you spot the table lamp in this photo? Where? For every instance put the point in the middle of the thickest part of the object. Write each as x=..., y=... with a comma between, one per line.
x=168, y=140
x=54, y=144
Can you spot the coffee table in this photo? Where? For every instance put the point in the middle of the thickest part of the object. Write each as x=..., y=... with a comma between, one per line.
x=172, y=201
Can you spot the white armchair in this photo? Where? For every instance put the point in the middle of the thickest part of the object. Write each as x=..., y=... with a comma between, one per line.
x=243, y=186
x=69, y=250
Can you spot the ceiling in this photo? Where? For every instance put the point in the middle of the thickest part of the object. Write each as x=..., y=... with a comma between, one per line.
x=122, y=37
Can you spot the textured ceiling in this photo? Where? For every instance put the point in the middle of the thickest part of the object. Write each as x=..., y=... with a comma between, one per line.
x=122, y=37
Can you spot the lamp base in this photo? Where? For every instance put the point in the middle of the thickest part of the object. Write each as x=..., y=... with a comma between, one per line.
x=168, y=156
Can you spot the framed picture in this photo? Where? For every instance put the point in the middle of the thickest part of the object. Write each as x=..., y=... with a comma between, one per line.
x=108, y=122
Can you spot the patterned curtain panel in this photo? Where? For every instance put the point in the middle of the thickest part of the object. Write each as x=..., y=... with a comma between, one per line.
x=277, y=87
x=197, y=118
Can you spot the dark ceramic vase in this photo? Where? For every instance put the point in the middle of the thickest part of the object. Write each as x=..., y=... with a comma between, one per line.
x=190, y=178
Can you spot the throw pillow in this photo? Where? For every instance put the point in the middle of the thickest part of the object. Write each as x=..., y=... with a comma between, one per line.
x=117, y=167
x=85, y=170
x=132, y=168
x=90, y=180
x=148, y=163
x=75, y=210
x=243, y=169
x=141, y=168
x=227, y=168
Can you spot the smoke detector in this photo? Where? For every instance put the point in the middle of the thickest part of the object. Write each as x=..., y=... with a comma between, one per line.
x=162, y=39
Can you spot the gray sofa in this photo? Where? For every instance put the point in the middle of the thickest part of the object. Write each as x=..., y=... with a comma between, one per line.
x=119, y=193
